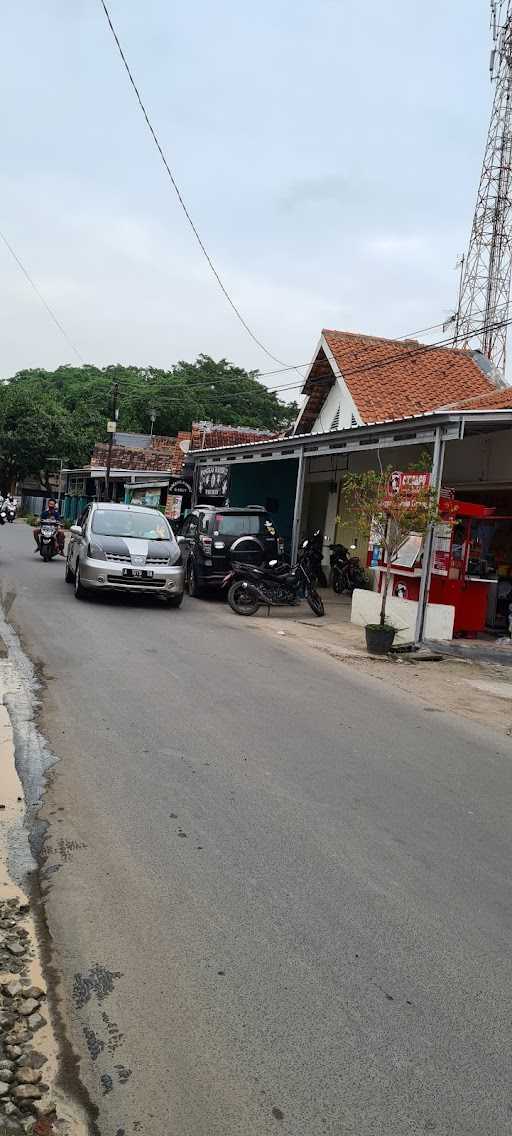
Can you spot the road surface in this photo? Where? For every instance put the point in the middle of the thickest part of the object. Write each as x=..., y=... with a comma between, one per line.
x=279, y=895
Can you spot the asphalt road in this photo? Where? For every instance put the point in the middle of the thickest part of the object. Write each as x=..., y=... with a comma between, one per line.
x=280, y=896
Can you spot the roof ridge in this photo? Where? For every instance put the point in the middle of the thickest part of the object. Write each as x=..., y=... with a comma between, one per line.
x=371, y=338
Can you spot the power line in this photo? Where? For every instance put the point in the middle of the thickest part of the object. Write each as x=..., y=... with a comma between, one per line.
x=41, y=297
x=439, y=343
x=179, y=195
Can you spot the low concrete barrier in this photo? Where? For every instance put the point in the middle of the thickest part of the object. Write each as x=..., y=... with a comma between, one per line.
x=402, y=615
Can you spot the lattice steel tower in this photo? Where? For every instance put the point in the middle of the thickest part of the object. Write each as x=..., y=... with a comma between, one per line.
x=487, y=270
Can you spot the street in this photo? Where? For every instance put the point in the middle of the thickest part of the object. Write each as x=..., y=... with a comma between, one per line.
x=279, y=893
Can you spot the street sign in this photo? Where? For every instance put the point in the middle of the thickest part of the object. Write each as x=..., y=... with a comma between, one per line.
x=111, y=427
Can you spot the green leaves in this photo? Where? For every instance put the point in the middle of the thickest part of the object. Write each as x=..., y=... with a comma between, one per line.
x=46, y=415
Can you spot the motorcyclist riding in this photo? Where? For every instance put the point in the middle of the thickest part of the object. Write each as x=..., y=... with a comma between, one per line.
x=51, y=513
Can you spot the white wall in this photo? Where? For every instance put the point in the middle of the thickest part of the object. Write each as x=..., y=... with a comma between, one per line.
x=402, y=615
x=479, y=461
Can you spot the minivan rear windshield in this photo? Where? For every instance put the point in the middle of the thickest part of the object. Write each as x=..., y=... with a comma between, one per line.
x=244, y=525
x=124, y=523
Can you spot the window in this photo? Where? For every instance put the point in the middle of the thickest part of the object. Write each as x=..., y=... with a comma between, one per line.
x=83, y=518
x=242, y=525
x=125, y=523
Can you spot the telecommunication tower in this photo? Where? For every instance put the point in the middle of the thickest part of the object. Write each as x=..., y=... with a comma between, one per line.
x=484, y=297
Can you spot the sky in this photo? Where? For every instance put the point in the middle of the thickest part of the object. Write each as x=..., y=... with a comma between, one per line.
x=329, y=152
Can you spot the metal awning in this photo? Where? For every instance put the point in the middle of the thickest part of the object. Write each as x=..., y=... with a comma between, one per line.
x=418, y=430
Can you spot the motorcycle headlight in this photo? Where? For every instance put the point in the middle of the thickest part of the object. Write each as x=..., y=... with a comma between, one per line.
x=96, y=551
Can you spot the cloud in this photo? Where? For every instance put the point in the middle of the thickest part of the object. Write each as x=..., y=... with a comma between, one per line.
x=314, y=191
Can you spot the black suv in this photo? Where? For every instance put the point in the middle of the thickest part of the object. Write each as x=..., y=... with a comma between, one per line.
x=212, y=537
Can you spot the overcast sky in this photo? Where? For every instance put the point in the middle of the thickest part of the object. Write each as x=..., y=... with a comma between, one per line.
x=328, y=151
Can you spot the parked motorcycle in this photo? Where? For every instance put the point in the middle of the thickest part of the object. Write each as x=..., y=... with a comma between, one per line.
x=346, y=571
x=275, y=585
x=47, y=540
x=316, y=552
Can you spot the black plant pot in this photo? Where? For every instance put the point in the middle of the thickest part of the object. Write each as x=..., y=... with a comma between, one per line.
x=379, y=640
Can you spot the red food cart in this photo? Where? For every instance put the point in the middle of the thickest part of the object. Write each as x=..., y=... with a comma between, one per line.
x=457, y=575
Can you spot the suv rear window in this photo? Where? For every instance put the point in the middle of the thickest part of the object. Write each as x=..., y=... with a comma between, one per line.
x=246, y=524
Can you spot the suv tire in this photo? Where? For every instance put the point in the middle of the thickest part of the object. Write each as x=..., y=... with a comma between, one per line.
x=193, y=588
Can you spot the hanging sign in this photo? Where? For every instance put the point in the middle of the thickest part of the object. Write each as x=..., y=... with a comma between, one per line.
x=213, y=480
x=179, y=486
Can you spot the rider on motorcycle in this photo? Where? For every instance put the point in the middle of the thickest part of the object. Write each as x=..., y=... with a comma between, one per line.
x=51, y=513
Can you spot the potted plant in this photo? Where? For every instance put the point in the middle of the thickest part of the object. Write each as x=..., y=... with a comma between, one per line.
x=391, y=506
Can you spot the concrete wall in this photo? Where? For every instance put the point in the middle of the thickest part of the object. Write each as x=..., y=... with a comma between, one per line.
x=402, y=615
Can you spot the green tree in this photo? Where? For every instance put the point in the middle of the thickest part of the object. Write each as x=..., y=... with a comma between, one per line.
x=392, y=514
x=48, y=415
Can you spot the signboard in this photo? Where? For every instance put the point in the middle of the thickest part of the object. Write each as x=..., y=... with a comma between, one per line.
x=213, y=480
x=407, y=486
x=442, y=544
x=173, y=506
x=111, y=427
x=180, y=486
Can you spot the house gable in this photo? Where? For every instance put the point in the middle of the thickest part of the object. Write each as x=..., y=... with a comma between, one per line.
x=329, y=405
x=386, y=379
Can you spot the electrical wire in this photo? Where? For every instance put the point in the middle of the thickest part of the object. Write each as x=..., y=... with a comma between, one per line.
x=179, y=195
x=419, y=349
x=41, y=297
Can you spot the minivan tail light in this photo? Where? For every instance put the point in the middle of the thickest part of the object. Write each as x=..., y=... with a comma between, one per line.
x=206, y=543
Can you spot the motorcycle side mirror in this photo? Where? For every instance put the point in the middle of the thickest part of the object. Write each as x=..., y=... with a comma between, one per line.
x=353, y=546
x=272, y=563
x=76, y=530
x=305, y=543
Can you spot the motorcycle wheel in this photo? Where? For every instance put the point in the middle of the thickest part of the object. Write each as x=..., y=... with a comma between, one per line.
x=241, y=601
x=315, y=602
x=46, y=553
x=337, y=583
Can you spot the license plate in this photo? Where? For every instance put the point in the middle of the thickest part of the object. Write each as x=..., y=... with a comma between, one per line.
x=139, y=573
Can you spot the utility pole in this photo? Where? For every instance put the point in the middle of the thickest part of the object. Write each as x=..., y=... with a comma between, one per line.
x=111, y=427
x=484, y=296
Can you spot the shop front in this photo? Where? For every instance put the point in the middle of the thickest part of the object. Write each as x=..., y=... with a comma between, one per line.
x=299, y=480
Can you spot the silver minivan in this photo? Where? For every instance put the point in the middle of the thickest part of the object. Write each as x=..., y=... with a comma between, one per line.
x=126, y=548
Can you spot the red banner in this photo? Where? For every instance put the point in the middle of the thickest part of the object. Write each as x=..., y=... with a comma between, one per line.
x=406, y=487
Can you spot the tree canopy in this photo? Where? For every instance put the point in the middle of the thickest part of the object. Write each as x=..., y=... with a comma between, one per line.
x=49, y=415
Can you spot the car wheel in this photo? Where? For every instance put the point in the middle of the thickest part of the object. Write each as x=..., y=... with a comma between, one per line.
x=68, y=574
x=192, y=585
x=175, y=601
x=80, y=591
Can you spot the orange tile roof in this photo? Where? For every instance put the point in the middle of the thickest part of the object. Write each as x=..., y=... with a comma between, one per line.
x=493, y=400
x=391, y=378
x=211, y=437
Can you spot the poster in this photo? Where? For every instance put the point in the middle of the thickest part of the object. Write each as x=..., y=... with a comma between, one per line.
x=173, y=506
x=213, y=480
x=442, y=544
